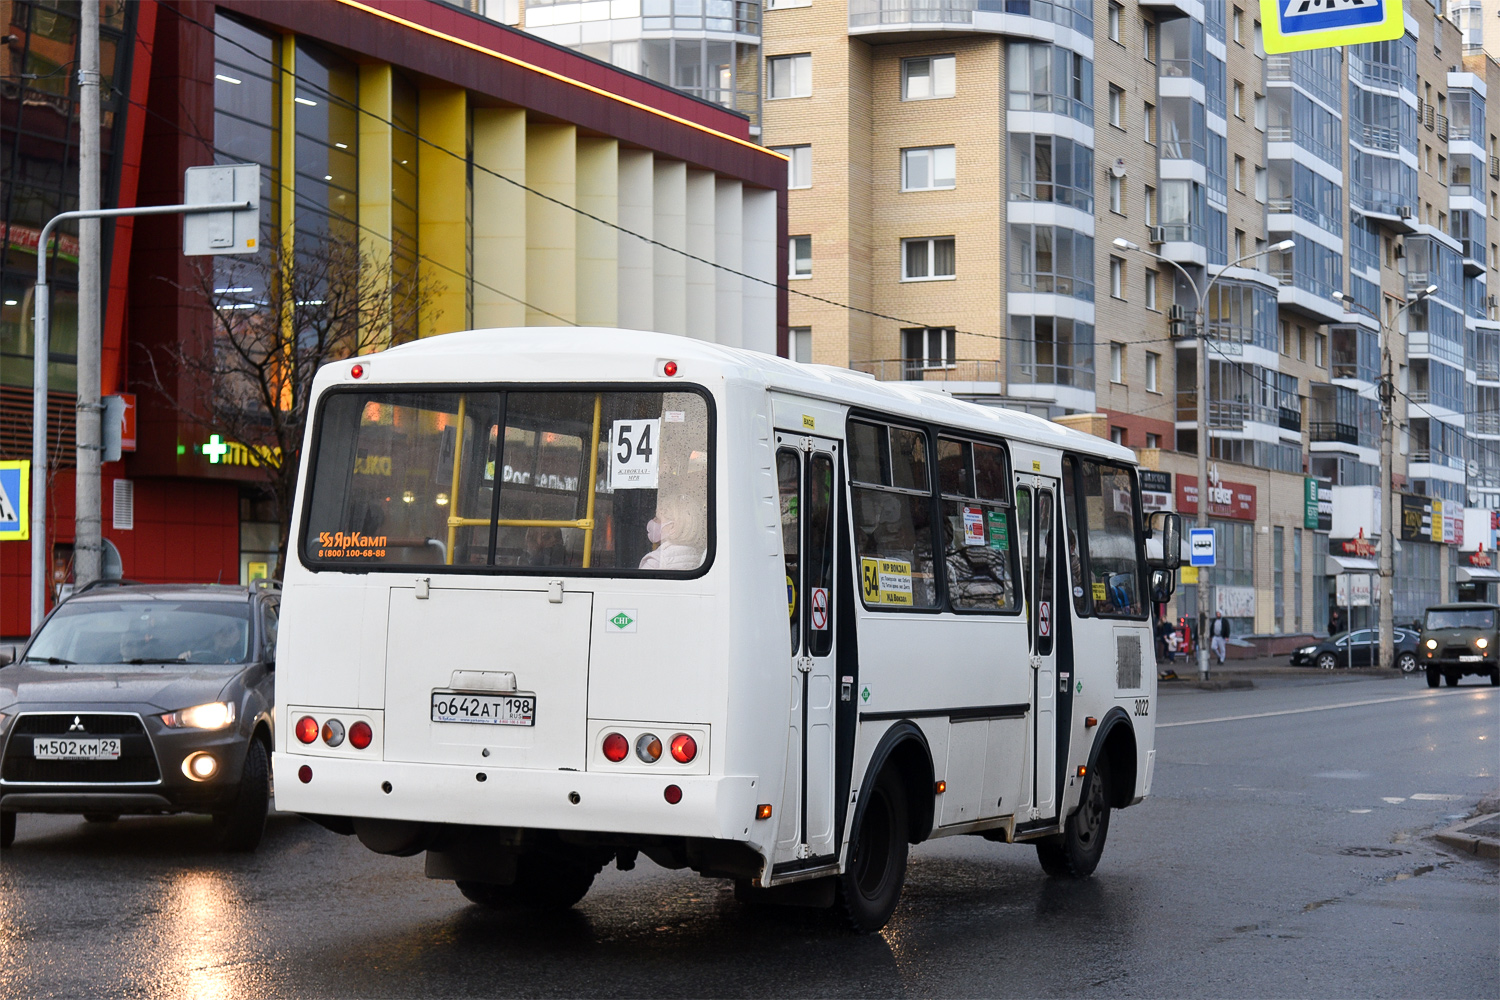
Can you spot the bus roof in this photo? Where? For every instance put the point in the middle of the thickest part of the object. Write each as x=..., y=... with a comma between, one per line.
x=606, y=354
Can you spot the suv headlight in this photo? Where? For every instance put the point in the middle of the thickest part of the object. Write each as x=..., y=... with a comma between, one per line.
x=214, y=715
x=1307, y=650
x=1481, y=642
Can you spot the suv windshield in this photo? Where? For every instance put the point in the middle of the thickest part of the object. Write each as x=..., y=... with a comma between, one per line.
x=153, y=631
x=1477, y=618
x=612, y=482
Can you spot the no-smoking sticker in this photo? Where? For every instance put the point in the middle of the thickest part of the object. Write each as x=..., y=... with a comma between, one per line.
x=820, y=609
x=1044, y=618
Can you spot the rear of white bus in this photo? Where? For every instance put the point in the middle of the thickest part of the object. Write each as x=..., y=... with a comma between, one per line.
x=504, y=641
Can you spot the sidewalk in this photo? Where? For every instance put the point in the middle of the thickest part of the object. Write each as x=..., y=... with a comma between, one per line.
x=1242, y=673
x=1480, y=833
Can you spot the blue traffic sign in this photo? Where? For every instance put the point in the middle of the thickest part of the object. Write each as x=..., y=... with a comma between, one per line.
x=15, y=489
x=1294, y=25
x=1202, y=546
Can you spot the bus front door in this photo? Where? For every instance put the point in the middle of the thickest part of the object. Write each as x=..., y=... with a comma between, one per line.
x=1036, y=521
x=805, y=471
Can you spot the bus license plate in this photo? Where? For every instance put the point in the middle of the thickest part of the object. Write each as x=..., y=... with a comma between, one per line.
x=492, y=710
x=57, y=748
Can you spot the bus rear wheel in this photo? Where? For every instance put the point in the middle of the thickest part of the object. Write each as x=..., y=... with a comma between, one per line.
x=1076, y=851
x=870, y=886
x=541, y=884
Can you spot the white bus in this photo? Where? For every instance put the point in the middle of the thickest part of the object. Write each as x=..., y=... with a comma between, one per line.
x=557, y=598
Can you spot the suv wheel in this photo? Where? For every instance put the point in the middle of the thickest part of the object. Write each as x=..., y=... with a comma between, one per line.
x=241, y=828
x=1407, y=662
x=1327, y=661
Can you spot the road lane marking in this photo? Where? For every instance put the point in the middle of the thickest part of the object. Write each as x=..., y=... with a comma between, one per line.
x=1433, y=797
x=1393, y=800
x=1318, y=708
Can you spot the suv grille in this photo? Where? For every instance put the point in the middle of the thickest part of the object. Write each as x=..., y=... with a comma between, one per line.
x=136, y=764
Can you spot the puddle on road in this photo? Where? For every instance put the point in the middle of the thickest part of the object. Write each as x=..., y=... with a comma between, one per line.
x=1373, y=852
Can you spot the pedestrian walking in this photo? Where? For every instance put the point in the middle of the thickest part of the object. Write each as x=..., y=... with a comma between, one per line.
x=1219, y=631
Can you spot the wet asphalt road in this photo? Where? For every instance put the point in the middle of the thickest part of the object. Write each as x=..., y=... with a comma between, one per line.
x=1285, y=854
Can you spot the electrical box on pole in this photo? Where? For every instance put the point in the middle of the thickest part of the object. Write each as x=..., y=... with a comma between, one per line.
x=234, y=231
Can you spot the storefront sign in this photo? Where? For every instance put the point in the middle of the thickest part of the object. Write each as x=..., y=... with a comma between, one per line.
x=1480, y=560
x=1361, y=548
x=1225, y=499
x=1156, y=490
x=1422, y=519
x=1235, y=602
x=1453, y=524
x=1353, y=587
x=1317, y=504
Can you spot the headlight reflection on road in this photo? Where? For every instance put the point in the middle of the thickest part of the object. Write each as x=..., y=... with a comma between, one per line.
x=200, y=949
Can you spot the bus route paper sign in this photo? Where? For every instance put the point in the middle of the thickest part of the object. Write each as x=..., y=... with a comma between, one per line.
x=885, y=581
x=634, y=449
x=1295, y=25
x=15, y=495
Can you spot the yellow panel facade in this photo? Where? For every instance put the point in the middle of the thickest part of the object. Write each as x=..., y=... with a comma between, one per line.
x=442, y=231
x=551, y=230
x=375, y=171
x=598, y=244
x=669, y=213
x=636, y=289
x=499, y=217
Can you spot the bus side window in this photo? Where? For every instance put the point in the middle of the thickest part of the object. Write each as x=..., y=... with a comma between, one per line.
x=977, y=554
x=1045, y=507
x=789, y=485
x=820, y=522
x=893, y=530
x=1023, y=542
x=1081, y=599
x=1114, y=566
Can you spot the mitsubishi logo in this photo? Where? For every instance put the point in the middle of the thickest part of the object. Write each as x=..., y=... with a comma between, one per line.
x=77, y=726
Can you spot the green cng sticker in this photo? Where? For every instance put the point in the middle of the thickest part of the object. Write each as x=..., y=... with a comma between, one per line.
x=620, y=619
x=865, y=694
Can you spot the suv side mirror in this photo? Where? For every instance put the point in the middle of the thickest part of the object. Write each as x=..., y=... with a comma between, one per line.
x=1167, y=525
x=8, y=655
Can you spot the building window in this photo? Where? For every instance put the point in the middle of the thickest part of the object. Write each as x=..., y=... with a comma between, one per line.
x=1117, y=436
x=1260, y=112
x=1148, y=39
x=1153, y=372
x=926, y=78
x=1239, y=100
x=1278, y=574
x=1116, y=194
x=1150, y=119
x=1150, y=205
x=1239, y=173
x=1260, y=184
x=800, y=252
x=1296, y=579
x=927, y=347
x=1051, y=168
x=1153, y=440
x=1115, y=13
x=1116, y=362
x=789, y=76
x=798, y=165
x=1320, y=348
x=1150, y=289
x=1044, y=77
x=1238, y=23
x=927, y=168
x=927, y=258
x=801, y=343
x=1116, y=106
x=1239, y=244
x=1117, y=277
x=1051, y=260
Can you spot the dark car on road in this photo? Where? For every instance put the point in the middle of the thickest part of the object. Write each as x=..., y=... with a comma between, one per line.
x=144, y=699
x=1459, y=639
x=1360, y=648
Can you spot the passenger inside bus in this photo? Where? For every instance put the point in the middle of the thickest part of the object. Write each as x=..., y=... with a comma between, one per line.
x=545, y=547
x=678, y=532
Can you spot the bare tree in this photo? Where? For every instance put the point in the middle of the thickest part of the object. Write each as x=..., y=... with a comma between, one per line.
x=278, y=317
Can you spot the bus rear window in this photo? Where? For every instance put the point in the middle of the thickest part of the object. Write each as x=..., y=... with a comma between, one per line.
x=513, y=481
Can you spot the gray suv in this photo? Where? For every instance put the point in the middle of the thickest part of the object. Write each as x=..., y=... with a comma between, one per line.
x=144, y=699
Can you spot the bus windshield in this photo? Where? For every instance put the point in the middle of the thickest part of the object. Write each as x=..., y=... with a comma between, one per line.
x=511, y=481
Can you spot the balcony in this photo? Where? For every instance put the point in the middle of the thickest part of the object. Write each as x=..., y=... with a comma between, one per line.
x=1487, y=370
x=922, y=17
x=918, y=370
x=1484, y=423
x=1332, y=430
x=1473, y=257
x=1288, y=419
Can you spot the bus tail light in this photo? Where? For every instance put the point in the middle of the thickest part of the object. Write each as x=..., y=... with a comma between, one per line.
x=616, y=747
x=648, y=748
x=333, y=732
x=360, y=735
x=684, y=748
x=672, y=794
x=307, y=729
x=763, y=811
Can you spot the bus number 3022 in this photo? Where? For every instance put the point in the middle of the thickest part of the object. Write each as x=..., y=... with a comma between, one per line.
x=1143, y=706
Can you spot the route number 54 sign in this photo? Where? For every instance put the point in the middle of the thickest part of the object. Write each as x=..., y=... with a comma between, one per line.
x=634, y=454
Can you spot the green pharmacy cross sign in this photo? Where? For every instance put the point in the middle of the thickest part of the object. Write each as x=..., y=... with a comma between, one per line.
x=1297, y=25
x=215, y=449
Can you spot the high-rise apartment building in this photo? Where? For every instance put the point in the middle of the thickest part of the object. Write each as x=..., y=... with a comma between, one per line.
x=1023, y=203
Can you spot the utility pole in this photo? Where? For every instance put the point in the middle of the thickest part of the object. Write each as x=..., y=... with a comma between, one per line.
x=1387, y=496
x=1201, y=329
x=88, y=534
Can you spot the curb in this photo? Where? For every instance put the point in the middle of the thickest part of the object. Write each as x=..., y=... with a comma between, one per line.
x=1456, y=836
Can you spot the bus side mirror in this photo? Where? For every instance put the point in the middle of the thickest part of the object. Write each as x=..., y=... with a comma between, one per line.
x=1167, y=526
x=1163, y=583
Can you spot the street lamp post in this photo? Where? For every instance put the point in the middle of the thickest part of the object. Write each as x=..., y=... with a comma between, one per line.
x=1201, y=334
x=1387, y=492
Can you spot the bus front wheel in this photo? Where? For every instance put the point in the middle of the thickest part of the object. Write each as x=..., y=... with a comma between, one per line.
x=870, y=886
x=1076, y=851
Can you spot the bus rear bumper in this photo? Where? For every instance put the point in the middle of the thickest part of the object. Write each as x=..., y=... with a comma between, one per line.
x=714, y=807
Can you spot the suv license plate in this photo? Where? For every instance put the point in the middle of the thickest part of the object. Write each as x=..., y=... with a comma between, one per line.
x=491, y=710
x=54, y=748
x=1469, y=658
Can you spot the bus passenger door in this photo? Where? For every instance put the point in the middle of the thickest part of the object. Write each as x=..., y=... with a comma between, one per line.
x=805, y=470
x=1036, y=522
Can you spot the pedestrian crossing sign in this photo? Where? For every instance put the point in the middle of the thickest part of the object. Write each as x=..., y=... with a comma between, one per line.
x=15, y=492
x=1295, y=25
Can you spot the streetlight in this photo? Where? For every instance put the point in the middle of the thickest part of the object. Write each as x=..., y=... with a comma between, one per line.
x=1388, y=493
x=1202, y=337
